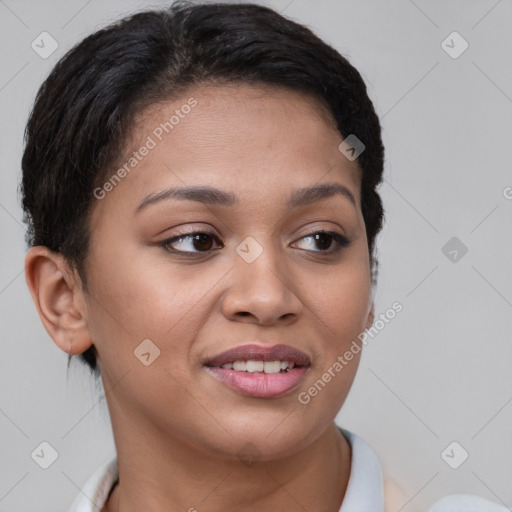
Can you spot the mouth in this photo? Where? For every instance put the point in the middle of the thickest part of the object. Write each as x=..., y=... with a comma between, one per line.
x=258, y=371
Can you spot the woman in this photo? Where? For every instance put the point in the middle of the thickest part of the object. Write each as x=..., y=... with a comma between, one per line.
x=200, y=188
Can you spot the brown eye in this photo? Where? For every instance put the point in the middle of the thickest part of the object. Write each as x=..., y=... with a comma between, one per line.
x=194, y=242
x=323, y=240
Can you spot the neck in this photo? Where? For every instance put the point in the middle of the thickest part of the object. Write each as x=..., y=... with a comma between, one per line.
x=314, y=479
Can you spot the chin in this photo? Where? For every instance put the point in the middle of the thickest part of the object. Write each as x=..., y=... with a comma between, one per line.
x=265, y=441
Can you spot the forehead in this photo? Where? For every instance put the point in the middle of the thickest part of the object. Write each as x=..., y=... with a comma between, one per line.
x=238, y=120
x=254, y=139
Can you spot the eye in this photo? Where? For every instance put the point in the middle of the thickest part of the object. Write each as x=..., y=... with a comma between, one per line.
x=193, y=242
x=196, y=242
x=325, y=239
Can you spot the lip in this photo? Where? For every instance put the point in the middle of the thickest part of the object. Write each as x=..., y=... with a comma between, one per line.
x=261, y=353
x=260, y=385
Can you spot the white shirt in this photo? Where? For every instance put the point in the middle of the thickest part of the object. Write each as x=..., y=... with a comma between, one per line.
x=364, y=491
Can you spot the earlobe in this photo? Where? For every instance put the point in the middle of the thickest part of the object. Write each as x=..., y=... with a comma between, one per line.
x=58, y=299
x=371, y=315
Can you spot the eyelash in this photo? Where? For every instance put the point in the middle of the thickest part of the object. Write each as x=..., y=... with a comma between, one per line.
x=341, y=241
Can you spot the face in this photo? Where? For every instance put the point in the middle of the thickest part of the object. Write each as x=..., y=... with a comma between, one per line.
x=259, y=262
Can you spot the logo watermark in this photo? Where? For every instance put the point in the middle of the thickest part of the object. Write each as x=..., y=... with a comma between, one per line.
x=157, y=135
x=305, y=397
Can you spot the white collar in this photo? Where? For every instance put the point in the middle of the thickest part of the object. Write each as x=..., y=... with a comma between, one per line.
x=94, y=494
x=364, y=490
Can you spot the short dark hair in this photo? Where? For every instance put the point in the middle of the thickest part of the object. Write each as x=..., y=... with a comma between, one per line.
x=84, y=110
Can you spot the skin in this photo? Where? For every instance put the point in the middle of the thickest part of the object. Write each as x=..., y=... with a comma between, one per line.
x=178, y=431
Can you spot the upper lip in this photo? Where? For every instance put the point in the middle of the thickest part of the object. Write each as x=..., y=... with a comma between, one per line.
x=261, y=353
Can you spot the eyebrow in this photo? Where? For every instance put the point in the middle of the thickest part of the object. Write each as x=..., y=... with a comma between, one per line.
x=216, y=197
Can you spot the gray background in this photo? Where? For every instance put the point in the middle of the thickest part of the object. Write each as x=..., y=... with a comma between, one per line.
x=440, y=371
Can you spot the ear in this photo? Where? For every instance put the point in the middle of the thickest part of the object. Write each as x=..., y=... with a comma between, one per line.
x=59, y=299
x=371, y=314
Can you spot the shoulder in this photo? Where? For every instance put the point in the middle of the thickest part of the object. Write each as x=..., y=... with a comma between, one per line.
x=467, y=503
x=394, y=496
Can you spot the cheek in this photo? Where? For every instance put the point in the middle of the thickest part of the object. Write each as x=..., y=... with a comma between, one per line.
x=132, y=302
x=134, y=299
x=340, y=304
x=340, y=300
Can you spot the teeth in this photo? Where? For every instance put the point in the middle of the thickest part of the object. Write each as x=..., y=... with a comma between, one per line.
x=240, y=366
x=272, y=366
x=253, y=366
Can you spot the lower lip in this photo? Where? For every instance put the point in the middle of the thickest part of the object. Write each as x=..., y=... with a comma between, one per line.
x=260, y=385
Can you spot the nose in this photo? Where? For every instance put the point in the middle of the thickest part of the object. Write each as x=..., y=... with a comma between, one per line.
x=262, y=292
